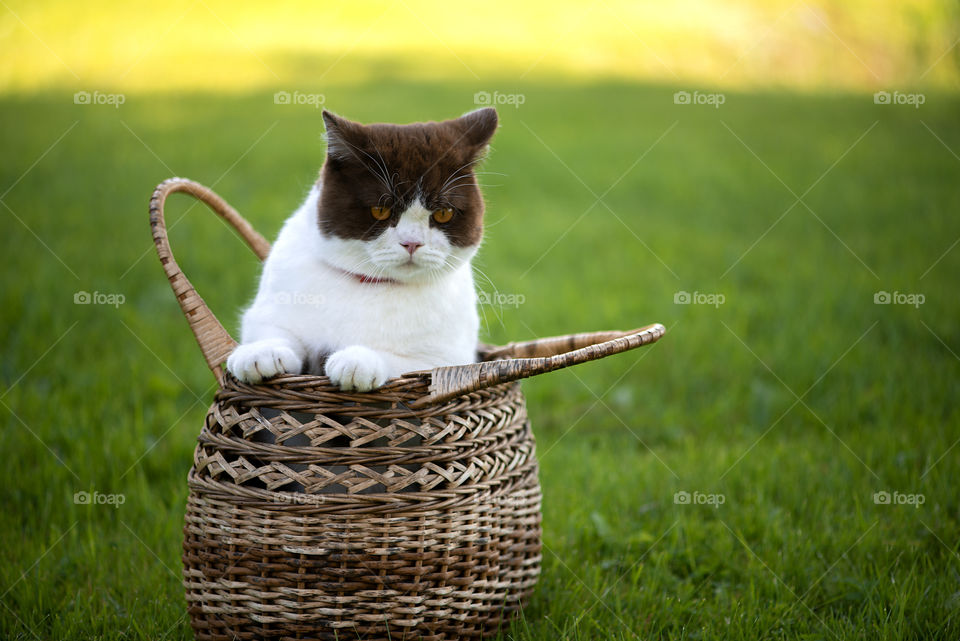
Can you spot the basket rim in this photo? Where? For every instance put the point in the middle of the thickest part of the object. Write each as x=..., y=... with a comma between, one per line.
x=400, y=397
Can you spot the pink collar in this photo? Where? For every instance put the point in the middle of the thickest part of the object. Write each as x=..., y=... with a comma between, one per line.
x=363, y=278
x=373, y=281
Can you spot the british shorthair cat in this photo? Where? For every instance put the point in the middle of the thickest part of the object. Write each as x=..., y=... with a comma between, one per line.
x=371, y=277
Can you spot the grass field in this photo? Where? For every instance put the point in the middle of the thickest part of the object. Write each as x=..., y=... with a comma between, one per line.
x=793, y=402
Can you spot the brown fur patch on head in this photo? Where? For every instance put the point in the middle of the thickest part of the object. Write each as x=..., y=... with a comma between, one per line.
x=385, y=165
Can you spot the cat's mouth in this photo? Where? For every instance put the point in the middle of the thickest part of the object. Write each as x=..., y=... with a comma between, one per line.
x=411, y=264
x=406, y=269
x=365, y=278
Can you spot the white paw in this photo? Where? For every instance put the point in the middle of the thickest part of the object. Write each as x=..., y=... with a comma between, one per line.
x=253, y=362
x=357, y=368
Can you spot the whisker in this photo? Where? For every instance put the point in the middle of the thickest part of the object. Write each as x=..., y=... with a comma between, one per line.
x=457, y=171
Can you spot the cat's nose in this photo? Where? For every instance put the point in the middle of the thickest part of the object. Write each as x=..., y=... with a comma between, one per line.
x=411, y=246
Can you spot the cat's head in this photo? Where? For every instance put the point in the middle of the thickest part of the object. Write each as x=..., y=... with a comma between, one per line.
x=401, y=202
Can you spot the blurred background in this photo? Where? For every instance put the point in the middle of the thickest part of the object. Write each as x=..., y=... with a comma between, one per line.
x=776, y=182
x=243, y=46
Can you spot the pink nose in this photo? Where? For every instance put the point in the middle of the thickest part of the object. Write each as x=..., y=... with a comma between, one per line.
x=411, y=246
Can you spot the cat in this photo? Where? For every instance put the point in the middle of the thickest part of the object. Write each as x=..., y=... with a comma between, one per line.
x=371, y=277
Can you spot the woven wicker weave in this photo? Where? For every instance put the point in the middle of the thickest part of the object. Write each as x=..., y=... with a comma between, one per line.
x=409, y=512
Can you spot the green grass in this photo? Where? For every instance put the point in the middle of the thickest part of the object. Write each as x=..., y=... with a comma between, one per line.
x=108, y=399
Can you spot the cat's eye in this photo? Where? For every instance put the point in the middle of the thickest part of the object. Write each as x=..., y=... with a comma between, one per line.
x=443, y=215
x=380, y=213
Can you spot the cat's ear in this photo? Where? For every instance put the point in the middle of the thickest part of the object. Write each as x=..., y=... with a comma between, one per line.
x=477, y=127
x=341, y=134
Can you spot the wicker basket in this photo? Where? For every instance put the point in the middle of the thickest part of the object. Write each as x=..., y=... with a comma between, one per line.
x=410, y=512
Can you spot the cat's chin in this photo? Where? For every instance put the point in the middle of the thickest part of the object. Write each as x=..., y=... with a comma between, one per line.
x=405, y=272
x=414, y=273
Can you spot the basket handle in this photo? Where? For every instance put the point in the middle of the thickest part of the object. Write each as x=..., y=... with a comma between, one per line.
x=518, y=360
x=215, y=342
x=523, y=360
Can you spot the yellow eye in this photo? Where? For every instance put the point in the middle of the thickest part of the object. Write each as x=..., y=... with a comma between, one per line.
x=443, y=215
x=380, y=213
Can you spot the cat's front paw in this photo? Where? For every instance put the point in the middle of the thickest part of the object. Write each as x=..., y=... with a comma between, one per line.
x=357, y=368
x=253, y=362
